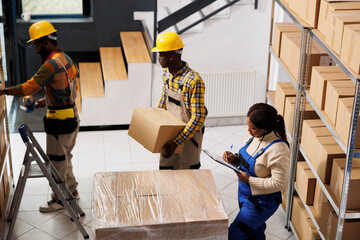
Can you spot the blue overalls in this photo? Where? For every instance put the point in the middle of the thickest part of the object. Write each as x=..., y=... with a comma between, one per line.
x=254, y=210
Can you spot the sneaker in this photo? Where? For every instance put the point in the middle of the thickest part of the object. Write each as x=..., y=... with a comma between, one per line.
x=51, y=206
x=76, y=195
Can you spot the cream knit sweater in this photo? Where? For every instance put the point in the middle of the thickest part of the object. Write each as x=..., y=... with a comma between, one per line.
x=272, y=167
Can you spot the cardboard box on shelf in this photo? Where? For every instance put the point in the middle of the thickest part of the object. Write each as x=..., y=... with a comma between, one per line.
x=309, y=113
x=334, y=91
x=305, y=182
x=290, y=54
x=285, y=53
x=319, y=199
x=336, y=183
x=311, y=13
x=299, y=217
x=326, y=7
x=311, y=129
x=351, y=47
x=279, y=29
x=321, y=150
x=343, y=120
x=193, y=210
x=320, y=76
x=153, y=127
x=328, y=225
x=283, y=90
x=335, y=28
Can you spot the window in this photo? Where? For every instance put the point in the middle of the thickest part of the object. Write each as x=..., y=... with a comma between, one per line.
x=53, y=7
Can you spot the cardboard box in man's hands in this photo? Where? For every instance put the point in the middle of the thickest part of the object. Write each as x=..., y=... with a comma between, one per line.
x=153, y=127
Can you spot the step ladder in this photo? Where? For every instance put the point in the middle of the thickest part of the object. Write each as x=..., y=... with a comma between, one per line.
x=34, y=167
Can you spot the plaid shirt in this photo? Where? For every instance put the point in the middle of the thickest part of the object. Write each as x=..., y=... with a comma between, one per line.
x=193, y=92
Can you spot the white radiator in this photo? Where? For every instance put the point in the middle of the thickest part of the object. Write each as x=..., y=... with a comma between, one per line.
x=229, y=94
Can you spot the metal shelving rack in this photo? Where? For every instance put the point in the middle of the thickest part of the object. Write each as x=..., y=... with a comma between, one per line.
x=308, y=35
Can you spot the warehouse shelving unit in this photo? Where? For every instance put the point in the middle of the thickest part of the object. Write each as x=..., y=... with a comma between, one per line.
x=309, y=35
x=6, y=171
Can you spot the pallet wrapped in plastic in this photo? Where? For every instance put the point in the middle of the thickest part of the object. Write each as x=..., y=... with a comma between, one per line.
x=181, y=204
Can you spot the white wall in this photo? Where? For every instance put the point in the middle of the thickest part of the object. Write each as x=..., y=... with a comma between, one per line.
x=237, y=43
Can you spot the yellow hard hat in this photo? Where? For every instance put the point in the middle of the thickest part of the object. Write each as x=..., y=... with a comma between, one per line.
x=168, y=41
x=40, y=29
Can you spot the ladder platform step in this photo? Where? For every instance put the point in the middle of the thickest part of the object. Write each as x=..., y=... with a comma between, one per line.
x=134, y=47
x=112, y=63
x=35, y=170
x=91, y=80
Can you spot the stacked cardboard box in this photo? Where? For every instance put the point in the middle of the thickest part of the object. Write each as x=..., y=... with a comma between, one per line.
x=336, y=182
x=305, y=182
x=343, y=120
x=307, y=10
x=328, y=225
x=320, y=76
x=334, y=92
x=283, y=91
x=182, y=204
x=315, y=135
x=309, y=112
x=290, y=54
x=335, y=28
x=302, y=223
x=333, y=6
x=279, y=29
x=153, y=127
x=351, y=47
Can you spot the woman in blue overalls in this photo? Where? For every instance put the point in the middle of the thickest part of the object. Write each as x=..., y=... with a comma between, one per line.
x=264, y=164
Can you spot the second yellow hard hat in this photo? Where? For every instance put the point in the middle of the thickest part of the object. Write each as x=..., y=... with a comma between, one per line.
x=168, y=41
x=40, y=29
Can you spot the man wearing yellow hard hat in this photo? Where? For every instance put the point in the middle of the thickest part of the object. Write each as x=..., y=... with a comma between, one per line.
x=182, y=95
x=57, y=76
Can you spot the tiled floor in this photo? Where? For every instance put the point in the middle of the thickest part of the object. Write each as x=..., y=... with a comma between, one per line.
x=115, y=151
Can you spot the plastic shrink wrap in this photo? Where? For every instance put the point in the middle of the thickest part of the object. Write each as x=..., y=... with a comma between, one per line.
x=181, y=204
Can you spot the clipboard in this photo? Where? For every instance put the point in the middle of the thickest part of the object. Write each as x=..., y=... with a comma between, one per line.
x=219, y=159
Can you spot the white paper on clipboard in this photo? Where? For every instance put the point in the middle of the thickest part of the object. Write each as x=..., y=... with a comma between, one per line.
x=219, y=159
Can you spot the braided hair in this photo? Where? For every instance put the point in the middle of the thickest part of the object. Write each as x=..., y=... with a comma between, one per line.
x=265, y=116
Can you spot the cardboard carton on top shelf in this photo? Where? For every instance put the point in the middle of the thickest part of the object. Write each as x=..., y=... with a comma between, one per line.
x=311, y=13
x=283, y=90
x=336, y=183
x=328, y=225
x=326, y=7
x=279, y=29
x=153, y=127
x=335, y=28
x=309, y=113
x=305, y=182
x=351, y=47
x=319, y=78
x=334, y=91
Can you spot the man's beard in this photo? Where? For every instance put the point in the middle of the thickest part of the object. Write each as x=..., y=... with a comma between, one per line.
x=43, y=54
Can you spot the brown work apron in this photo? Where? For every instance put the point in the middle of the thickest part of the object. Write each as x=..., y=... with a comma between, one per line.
x=190, y=156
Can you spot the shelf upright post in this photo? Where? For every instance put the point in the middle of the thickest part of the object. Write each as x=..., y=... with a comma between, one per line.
x=349, y=158
x=270, y=42
x=298, y=115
